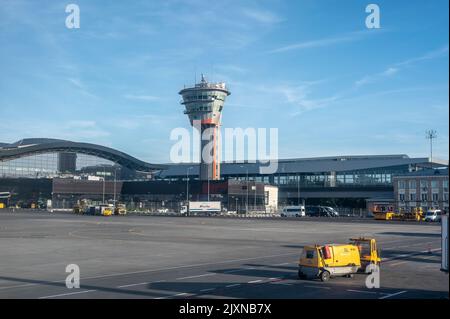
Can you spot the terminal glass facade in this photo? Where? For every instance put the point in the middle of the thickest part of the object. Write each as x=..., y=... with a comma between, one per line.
x=46, y=165
x=382, y=177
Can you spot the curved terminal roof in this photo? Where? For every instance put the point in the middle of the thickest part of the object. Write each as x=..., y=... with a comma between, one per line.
x=33, y=146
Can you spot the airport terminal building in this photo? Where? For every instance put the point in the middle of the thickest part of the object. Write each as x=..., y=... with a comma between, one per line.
x=32, y=170
x=339, y=179
x=426, y=188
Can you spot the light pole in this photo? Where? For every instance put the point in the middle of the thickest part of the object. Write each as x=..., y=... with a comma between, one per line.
x=254, y=204
x=187, y=186
x=430, y=135
x=103, y=192
x=246, y=202
x=115, y=176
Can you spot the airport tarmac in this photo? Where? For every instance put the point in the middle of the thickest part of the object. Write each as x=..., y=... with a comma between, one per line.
x=205, y=257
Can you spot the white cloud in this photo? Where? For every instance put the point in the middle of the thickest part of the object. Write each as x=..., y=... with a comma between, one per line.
x=261, y=16
x=375, y=77
x=427, y=56
x=390, y=71
x=296, y=98
x=81, y=87
x=324, y=42
x=76, y=82
x=299, y=96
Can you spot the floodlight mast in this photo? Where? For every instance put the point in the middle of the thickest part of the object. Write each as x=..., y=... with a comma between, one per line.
x=431, y=135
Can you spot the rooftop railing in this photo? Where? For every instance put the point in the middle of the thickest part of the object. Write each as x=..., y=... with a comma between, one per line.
x=207, y=85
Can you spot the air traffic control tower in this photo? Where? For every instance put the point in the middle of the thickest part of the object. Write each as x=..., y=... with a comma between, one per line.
x=204, y=103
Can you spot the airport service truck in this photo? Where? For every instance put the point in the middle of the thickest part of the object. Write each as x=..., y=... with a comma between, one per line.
x=444, y=243
x=200, y=208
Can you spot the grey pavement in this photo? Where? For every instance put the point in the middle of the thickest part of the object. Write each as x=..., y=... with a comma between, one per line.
x=205, y=257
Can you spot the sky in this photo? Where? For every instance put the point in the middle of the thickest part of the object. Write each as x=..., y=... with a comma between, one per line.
x=310, y=68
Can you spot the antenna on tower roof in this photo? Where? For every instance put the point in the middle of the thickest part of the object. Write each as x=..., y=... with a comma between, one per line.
x=203, y=79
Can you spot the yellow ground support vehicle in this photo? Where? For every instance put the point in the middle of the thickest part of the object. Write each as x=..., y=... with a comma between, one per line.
x=386, y=212
x=368, y=251
x=416, y=214
x=383, y=215
x=329, y=261
x=2, y=205
x=106, y=210
x=383, y=212
x=120, y=209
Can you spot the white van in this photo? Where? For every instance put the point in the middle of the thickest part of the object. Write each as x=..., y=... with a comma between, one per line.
x=293, y=211
x=433, y=215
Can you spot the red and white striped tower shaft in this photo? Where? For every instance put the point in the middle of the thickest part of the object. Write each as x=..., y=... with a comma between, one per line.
x=204, y=103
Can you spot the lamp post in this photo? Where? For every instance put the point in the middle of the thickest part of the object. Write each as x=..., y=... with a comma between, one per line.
x=103, y=191
x=115, y=178
x=430, y=135
x=187, y=186
x=246, y=201
x=254, y=204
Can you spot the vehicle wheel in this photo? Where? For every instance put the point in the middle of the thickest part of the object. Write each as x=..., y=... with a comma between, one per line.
x=350, y=276
x=325, y=276
x=301, y=275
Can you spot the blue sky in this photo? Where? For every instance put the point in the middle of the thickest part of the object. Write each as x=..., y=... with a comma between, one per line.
x=309, y=68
